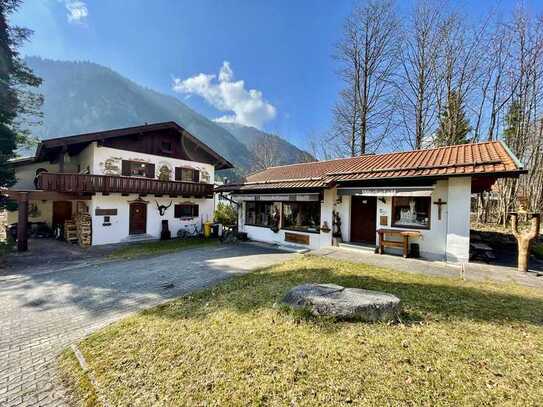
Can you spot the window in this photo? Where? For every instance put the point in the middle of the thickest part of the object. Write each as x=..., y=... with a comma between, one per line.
x=186, y=211
x=411, y=212
x=302, y=216
x=259, y=214
x=138, y=169
x=187, y=174
x=166, y=146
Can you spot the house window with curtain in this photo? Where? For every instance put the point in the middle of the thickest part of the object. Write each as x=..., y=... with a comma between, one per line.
x=411, y=212
x=259, y=214
x=187, y=174
x=138, y=169
x=302, y=216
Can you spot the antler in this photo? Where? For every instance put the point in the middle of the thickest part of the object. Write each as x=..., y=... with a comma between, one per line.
x=170, y=204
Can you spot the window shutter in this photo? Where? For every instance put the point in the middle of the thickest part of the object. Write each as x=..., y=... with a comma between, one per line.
x=178, y=173
x=195, y=210
x=125, y=168
x=150, y=170
x=177, y=210
x=195, y=175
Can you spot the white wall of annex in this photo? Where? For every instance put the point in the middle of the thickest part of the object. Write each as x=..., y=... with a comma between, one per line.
x=458, y=207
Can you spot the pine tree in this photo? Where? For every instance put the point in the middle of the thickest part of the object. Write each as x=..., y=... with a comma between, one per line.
x=17, y=101
x=453, y=125
x=512, y=123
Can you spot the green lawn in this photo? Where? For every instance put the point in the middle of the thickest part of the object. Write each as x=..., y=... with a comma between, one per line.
x=157, y=247
x=458, y=343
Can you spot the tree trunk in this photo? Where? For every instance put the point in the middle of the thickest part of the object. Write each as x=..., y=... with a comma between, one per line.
x=525, y=239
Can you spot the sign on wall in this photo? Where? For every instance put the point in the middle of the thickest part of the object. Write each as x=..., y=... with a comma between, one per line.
x=105, y=212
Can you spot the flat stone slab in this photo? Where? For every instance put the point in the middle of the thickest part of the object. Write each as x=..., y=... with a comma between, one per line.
x=344, y=303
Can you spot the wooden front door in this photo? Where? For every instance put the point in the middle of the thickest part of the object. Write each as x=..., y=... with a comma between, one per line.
x=363, y=219
x=138, y=218
x=62, y=211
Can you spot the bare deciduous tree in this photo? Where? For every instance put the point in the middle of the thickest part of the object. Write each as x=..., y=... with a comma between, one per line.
x=368, y=55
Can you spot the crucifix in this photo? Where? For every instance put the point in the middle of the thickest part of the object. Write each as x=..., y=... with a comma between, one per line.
x=439, y=203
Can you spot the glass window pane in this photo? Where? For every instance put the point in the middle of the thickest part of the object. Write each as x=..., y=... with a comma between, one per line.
x=411, y=212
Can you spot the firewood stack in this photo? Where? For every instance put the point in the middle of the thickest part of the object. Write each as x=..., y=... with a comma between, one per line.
x=84, y=229
x=70, y=231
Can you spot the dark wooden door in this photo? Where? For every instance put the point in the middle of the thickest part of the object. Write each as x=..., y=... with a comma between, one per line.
x=62, y=211
x=363, y=219
x=138, y=218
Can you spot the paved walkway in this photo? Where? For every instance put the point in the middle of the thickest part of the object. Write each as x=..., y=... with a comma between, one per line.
x=42, y=313
x=472, y=271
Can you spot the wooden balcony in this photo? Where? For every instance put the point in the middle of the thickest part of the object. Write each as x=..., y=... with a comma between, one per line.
x=89, y=184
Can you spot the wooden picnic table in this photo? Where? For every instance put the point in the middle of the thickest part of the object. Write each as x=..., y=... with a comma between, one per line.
x=401, y=244
x=481, y=251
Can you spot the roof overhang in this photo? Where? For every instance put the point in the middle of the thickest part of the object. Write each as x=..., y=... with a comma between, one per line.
x=56, y=145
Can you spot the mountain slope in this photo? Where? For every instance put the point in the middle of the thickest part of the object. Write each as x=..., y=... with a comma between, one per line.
x=252, y=138
x=83, y=97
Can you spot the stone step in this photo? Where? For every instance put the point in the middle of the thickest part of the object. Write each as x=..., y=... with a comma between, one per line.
x=367, y=248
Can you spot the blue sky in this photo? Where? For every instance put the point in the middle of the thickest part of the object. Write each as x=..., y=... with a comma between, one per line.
x=282, y=49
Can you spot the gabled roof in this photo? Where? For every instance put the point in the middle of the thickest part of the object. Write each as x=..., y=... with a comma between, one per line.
x=86, y=138
x=490, y=158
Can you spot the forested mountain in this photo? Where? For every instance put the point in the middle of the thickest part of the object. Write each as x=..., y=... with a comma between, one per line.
x=254, y=139
x=83, y=97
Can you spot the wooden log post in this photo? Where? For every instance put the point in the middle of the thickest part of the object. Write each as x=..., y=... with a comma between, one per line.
x=525, y=238
x=22, y=222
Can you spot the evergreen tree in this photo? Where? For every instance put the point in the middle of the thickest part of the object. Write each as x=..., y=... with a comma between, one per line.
x=512, y=123
x=17, y=102
x=453, y=125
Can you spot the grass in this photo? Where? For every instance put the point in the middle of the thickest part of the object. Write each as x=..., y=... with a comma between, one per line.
x=157, y=247
x=458, y=343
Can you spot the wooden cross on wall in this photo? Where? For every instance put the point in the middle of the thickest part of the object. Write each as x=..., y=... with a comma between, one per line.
x=439, y=203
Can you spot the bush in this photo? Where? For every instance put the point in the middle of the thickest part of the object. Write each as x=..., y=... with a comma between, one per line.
x=226, y=214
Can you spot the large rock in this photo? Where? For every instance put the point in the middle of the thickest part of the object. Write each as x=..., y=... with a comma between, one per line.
x=344, y=303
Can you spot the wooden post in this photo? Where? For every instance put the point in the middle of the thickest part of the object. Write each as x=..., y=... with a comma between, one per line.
x=22, y=222
x=525, y=239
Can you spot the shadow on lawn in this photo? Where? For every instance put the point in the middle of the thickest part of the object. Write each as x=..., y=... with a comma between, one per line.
x=424, y=298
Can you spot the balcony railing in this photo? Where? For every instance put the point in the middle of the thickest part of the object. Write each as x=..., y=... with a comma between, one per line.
x=89, y=183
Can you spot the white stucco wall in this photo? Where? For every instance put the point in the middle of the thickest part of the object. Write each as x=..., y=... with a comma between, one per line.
x=119, y=228
x=101, y=155
x=24, y=174
x=459, y=191
x=44, y=212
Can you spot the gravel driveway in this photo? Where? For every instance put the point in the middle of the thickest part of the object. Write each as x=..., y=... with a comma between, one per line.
x=42, y=313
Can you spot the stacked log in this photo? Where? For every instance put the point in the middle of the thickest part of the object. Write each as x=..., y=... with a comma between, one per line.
x=84, y=229
x=70, y=231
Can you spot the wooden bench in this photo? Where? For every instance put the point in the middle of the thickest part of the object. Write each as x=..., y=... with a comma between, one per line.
x=400, y=244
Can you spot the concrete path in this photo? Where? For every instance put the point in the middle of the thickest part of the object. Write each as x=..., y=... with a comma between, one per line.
x=41, y=313
x=472, y=271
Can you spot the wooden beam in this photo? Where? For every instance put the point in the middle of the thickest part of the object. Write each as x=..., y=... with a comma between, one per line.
x=22, y=223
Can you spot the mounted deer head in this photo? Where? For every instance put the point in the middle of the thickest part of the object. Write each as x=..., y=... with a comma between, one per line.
x=162, y=208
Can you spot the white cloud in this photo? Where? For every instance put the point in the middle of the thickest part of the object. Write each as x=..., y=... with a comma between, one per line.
x=247, y=107
x=77, y=10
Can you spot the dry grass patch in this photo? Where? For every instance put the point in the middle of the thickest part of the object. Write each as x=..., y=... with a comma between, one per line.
x=459, y=343
x=157, y=247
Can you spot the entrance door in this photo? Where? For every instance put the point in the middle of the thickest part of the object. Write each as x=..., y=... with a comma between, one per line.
x=138, y=218
x=62, y=211
x=363, y=219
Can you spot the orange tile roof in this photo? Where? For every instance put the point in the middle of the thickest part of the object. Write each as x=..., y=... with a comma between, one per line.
x=489, y=158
